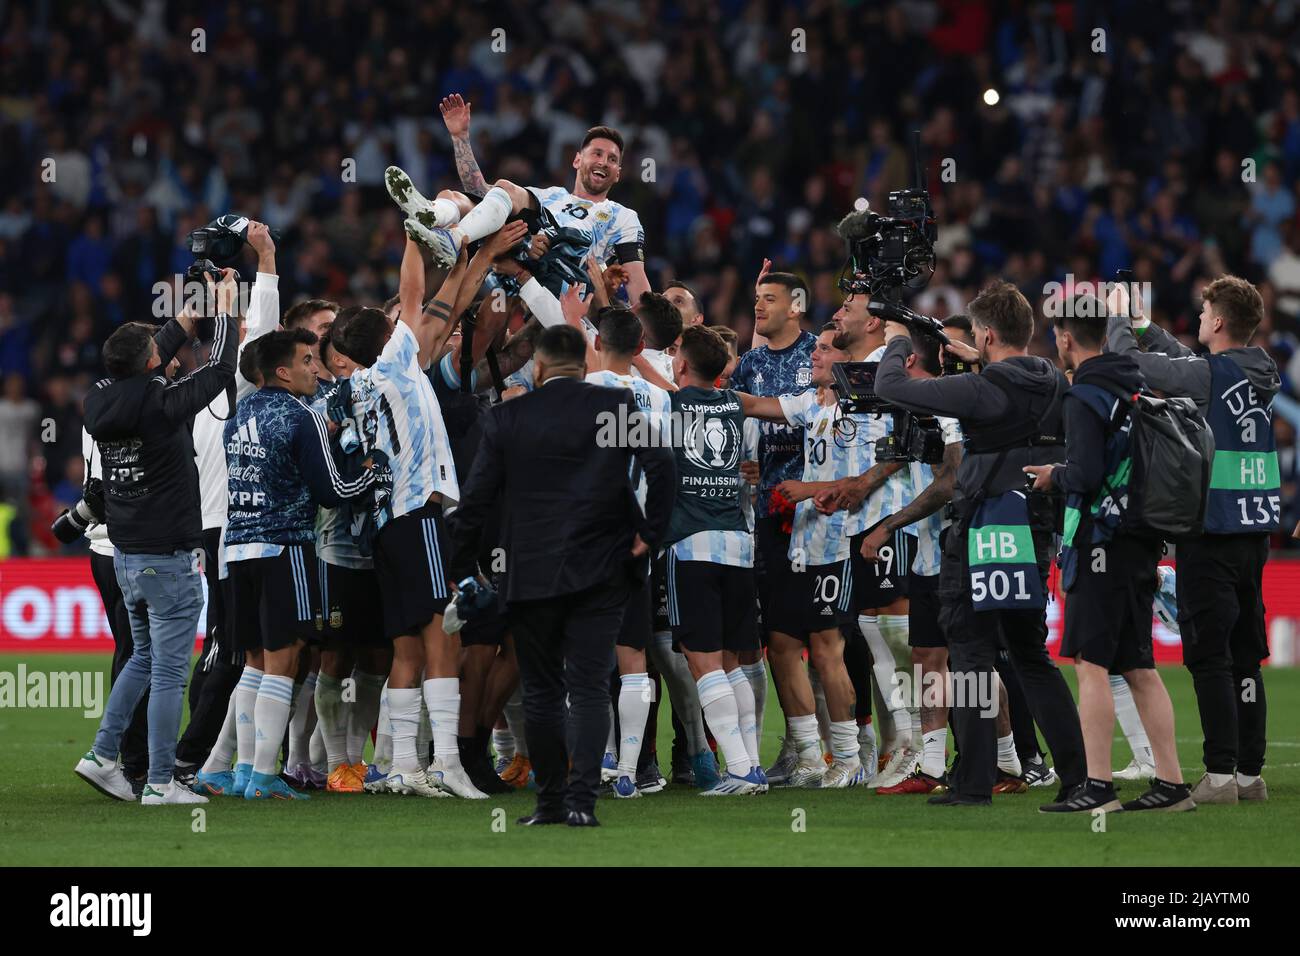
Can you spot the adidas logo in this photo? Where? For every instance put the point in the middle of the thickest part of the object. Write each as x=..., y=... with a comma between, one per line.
x=826, y=612
x=244, y=719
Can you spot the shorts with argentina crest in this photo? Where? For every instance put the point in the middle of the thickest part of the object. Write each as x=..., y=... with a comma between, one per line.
x=710, y=554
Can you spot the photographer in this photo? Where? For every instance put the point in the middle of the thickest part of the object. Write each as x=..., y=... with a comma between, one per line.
x=1011, y=415
x=1220, y=573
x=141, y=423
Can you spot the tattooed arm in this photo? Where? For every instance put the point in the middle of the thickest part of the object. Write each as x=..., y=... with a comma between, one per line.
x=455, y=113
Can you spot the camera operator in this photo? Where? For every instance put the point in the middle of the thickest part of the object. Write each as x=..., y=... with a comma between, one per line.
x=141, y=423
x=1220, y=573
x=1011, y=415
x=217, y=670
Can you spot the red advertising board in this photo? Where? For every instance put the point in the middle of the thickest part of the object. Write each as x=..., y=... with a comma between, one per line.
x=52, y=604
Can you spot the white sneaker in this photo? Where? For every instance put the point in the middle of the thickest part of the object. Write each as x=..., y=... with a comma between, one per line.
x=869, y=754
x=1136, y=770
x=453, y=780
x=900, y=765
x=443, y=244
x=778, y=775
x=409, y=199
x=842, y=774
x=807, y=773
x=156, y=794
x=413, y=782
x=105, y=776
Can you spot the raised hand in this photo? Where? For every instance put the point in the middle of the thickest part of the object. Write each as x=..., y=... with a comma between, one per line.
x=455, y=113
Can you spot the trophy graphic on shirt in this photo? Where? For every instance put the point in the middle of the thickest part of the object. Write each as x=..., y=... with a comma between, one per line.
x=716, y=438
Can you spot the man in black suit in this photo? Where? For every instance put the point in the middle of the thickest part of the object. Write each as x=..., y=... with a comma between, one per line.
x=564, y=461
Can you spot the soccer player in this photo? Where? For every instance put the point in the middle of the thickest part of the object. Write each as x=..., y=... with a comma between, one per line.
x=1107, y=572
x=280, y=466
x=453, y=219
x=394, y=403
x=711, y=600
x=929, y=648
x=783, y=366
x=619, y=338
x=834, y=448
x=1220, y=573
x=881, y=585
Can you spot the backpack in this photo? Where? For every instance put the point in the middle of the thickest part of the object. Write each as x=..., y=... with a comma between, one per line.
x=1172, y=450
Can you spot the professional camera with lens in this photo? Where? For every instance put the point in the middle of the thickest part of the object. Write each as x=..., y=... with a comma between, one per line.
x=72, y=524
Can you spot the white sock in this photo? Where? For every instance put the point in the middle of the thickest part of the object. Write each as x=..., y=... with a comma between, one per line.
x=316, y=744
x=224, y=749
x=486, y=218
x=299, y=734
x=1245, y=779
x=719, y=703
x=404, y=719
x=333, y=721
x=514, y=714
x=1126, y=712
x=422, y=733
x=819, y=705
x=682, y=693
x=503, y=742
x=635, y=693
x=245, y=700
x=756, y=673
x=746, y=711
x=611, y=738
x=442, y=697
x=383, y=733
x=1220, y=779
x=271, y=716
x=896, y=630
x=803, y=732
x=1008, y=761
x=885, y=670
x=445, y=213
x=866, y=741
x=844, y=740
x=362, y=713
x=933, y=745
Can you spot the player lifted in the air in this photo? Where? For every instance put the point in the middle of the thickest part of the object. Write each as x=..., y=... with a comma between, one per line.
x=453, y=219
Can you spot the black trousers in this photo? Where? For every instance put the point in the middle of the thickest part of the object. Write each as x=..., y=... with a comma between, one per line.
x=1221, y=617
x=973, y=642
x=1022, y=719
x=135, y=742
x=565, y=647
x=217, y=670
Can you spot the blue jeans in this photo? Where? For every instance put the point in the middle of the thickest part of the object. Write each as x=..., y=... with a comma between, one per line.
x=164, y=597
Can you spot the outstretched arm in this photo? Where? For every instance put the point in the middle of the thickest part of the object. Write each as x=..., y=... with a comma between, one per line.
x=455, y=113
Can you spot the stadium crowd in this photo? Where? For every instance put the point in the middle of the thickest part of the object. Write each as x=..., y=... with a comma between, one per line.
x=333, y=468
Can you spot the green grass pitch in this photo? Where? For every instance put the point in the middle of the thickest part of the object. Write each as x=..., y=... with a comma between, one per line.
x=50, y=817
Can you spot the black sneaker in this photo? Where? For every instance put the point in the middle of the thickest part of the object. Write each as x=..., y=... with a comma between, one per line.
x=185, y=773
x=1163, y=795
x=954, y=799
x=1039, y=774
x=1086, y=797
x=650, y=780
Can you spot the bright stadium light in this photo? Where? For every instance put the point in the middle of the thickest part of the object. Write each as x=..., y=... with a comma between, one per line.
x=991, y=97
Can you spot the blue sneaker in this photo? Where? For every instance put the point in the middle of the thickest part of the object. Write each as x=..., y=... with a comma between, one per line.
x=375, y=780
x=625, y=787
x=218, y=784
x=269, y=786
x=733, y=785
x=608, y=768
x=243, y=774
x=500, y=766
x=762, y=777
x=705, y=766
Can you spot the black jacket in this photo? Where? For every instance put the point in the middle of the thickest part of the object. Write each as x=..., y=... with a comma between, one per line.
x=1085, y=433
x=568, y=509
x=142, y=427
x=979, y=405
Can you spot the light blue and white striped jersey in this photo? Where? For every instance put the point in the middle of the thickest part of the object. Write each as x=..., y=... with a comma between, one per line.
x=928, y=529
x=899, y=488
x=394, y=402
x=336, y=543
x=829, y=455
x=608, y=223
x=653, y=401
